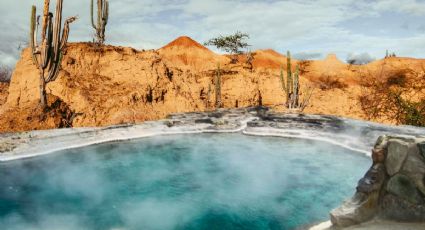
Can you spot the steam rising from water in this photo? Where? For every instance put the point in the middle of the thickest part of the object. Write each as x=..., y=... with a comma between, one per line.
x=205, y=181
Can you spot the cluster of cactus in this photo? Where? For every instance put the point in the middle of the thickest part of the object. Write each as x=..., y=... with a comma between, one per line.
x=102, y=19
x=292, y=87
x=47, y=55
x=388, y=55
x=217, y=82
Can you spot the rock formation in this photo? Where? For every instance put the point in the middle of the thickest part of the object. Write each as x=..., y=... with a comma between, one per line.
x=116, y=85
x=392, y=189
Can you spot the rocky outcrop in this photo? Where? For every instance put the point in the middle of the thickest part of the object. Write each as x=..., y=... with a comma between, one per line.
x=3, y=92
x=392, y=189
x=112, y=85
x=57, y=115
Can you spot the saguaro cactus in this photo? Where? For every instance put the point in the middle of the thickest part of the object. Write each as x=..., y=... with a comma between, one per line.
x=292, y=87
x=217, y=81
x=102, y=19
x=47, y=55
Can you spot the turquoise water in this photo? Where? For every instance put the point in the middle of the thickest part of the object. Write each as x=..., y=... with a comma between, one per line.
x=203, y=181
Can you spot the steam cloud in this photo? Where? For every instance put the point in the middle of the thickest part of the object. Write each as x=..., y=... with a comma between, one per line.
x=359, y=59
x=178, y=182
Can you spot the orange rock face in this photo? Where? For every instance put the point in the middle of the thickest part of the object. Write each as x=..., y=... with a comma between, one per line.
x=3, y=92
x=115, y=85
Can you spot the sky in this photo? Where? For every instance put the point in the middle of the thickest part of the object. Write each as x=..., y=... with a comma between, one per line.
x=310, y=29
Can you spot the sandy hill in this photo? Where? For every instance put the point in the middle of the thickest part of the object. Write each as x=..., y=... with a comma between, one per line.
x=269, y=59
x=330, y=63
x=186, y=53
x=117, y=85
x=184, y=42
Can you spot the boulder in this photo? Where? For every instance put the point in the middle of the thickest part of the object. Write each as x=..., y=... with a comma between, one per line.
x=403, y=187
x=378, y=155
x=373, y=179
x=396, y=155
x=381, y=142
x=392, y=189
x=414, y=168
x=421, y=147
x=361, y=208
x=397, y=209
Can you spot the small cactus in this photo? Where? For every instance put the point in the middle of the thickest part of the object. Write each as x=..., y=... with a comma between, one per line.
x=282, y=80
x=208, y=97
x=47, y=55
x=102, y=19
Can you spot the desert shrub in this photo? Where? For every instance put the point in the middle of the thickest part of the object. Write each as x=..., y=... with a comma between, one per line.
x=303, y=66
x=396, y=95
x=397, y=78
x=328, y=82
x=5, y=74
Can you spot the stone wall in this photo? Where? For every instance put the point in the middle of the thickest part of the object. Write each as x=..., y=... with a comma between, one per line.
x=392, y=189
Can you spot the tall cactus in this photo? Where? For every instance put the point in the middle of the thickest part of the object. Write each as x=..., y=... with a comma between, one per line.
x=102, y=19
x=292, y=87
x=47, y=55
x=218, y=102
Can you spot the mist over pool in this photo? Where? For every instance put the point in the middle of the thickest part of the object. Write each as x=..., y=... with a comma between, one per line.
x=203, y=181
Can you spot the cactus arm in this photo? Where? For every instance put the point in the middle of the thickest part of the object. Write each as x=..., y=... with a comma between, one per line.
x=106, y=15
x=99, y=14
x=33, y=35
x=282, y=79
x=102, y=19
x=57, y=30
x=296, y=87
x=218, y=88
x=65, y=33
x=37, y=48
x=92, y=14
x=45, y=19
x=289, y=71
x=54, y=72
x=289, y=85
x=46, y=47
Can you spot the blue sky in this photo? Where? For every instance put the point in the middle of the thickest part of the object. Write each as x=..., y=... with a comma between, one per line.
x=309, y=28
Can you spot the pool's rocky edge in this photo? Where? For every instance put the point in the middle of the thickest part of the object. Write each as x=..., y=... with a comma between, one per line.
x=392, y=190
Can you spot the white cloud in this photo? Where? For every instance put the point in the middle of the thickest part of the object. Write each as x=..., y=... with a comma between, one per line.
x=407, y=6
x=298, y=25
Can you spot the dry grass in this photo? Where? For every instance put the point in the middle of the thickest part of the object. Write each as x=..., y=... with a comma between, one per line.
x=394, y=94
x=328, y=82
